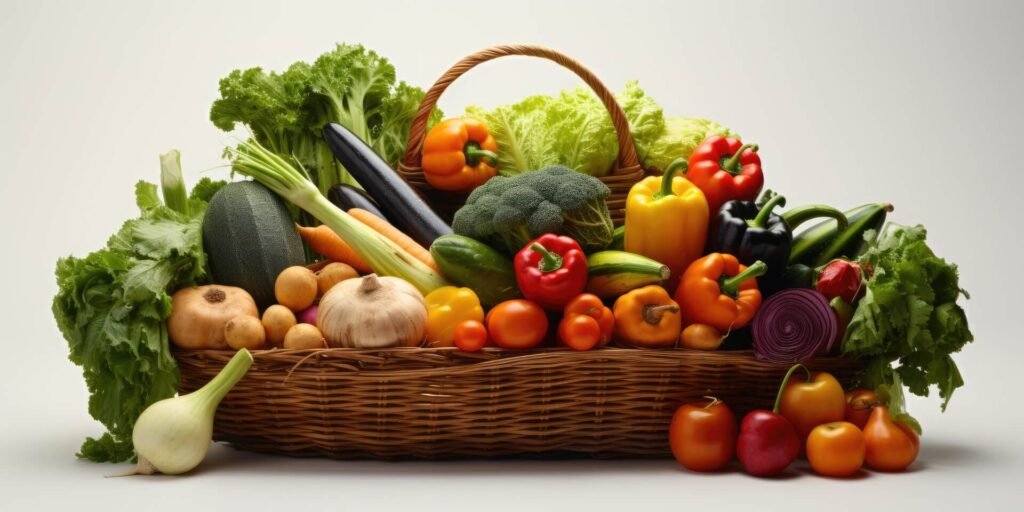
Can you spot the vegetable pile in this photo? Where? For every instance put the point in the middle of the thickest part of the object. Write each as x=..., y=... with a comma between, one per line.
x=325, y=247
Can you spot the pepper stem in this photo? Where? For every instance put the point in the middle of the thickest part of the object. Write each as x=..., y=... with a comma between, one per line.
x=653, y=314
x=766, y=211
x=712, y=401
x=801, y=214
x=666, y=179
x=549, y=261
x=474, y=154
x=732, y=165
x=731, y=285
x=785, y=380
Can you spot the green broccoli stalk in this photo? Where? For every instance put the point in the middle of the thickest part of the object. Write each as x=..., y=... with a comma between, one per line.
x=509, y=212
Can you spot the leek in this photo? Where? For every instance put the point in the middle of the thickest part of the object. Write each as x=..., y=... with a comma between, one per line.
x=384, y=256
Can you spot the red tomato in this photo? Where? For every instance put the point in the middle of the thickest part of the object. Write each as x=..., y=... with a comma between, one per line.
x=858, y=406
x=703, y=436
x=517, y=324
x=580, y=332
x=470, y=336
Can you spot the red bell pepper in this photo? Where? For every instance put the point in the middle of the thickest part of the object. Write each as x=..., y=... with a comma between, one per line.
x=551, y=270
x=725, y=169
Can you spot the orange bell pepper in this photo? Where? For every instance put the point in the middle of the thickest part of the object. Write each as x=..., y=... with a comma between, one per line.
x=646, y=317
x=456, y=154
x=716, y=290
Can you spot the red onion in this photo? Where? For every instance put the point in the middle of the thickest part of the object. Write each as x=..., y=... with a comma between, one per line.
x=308, y=316
x=793, y=326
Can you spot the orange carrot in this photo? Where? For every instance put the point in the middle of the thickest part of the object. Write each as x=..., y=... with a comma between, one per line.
x=327, y=243
x=392, y=233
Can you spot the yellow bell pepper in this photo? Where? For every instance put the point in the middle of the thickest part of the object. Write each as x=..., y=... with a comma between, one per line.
x=667, y=220
x=447, y=307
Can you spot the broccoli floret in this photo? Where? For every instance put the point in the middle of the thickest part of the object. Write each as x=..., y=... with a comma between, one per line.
x=508, y=212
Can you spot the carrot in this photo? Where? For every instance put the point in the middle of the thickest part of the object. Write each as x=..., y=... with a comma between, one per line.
x=392, y=233
x=326, y=242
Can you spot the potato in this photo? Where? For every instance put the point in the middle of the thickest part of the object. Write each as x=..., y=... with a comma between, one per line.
x=245, y=332
x=304, y=336
x=296, y=288
x=333, y=274
x=277, y=319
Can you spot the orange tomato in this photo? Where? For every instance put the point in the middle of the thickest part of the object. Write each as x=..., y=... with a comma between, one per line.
x=703, y=436
x=470, y=336
x=836, y=449
x=517, y=324
x=858, y=406
x=809, y=403
x=579, y=332
x=890, y=445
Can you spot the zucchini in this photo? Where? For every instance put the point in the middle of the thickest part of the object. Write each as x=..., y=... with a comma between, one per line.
x=250, y=238
x=347, y=197
x=613, y=273
x=618, y=239
x=475, y=265
x=401, y=205
x=823, y=241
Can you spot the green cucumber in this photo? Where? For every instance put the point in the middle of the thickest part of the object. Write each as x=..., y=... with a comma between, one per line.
x=823, y=241
x=618, y=239
x=475, y=265
x=613, y=273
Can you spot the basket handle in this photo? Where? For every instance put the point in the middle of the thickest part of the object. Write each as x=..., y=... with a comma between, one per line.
x=627, y=150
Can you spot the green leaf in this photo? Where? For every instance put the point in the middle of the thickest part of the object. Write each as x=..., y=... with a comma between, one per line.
x=909, y=314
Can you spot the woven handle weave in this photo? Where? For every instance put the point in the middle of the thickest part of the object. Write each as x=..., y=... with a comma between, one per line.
x=628, y=161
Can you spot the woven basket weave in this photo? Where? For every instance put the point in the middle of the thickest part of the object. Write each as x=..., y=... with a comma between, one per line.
x=625, y=174
x=443, y=403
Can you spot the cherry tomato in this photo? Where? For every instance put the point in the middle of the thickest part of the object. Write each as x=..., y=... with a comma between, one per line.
x=591, y=305
x=517, y=324
x=579, y=332
x=858, y=406
x=470, y=336
x=889, y=445
x=836, y=449
x=703, y=436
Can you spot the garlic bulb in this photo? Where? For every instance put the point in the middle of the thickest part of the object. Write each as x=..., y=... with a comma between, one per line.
x=372, y=312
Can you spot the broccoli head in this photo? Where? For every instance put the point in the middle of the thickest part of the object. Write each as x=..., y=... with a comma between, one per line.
x=508, y=212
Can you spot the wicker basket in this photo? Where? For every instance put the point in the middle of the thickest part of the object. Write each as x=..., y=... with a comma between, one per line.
x=625, y=174
x=443, y=403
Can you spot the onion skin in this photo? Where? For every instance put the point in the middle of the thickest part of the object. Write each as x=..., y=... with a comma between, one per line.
x=793, y=326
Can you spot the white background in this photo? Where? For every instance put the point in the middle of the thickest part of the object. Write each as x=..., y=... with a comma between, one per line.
x=914, y=103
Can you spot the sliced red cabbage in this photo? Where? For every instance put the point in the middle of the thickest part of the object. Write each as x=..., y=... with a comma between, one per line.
x=793, y=326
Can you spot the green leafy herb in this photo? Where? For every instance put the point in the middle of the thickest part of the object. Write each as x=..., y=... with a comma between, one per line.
x=112, y=306
x=909, y=316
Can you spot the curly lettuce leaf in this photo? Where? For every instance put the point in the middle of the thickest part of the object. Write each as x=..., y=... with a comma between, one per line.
x=572, y=129
x=680, y=137
x=112, y=307
x=286, y=111
x=909, y=315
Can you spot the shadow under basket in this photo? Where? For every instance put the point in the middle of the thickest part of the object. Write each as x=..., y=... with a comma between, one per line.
x=435, y=403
